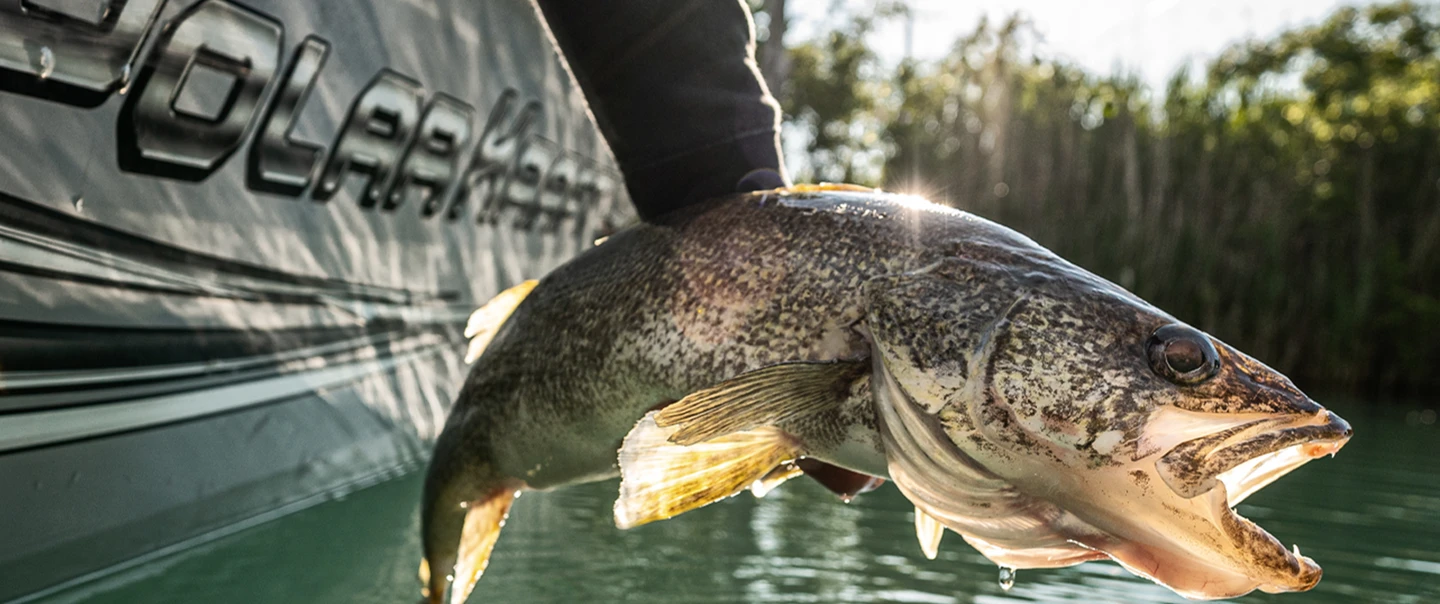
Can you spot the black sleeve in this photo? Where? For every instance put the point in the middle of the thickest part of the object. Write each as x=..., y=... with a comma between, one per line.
x=677, y=94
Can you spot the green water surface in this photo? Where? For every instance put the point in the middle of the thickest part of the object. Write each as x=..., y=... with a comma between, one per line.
x=1370, y=517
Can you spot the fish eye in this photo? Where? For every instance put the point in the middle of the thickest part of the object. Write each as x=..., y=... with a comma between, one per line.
x=1182, y=355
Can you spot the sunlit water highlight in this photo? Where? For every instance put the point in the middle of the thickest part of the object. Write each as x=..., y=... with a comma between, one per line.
x=1370, y=517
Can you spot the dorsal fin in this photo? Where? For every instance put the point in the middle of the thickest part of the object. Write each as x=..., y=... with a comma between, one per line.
x=768, y=396
x=828, y=186
x=485, y=322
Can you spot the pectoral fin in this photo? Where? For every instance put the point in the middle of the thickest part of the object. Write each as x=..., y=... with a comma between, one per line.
x=485, y=322
x=726, y=438
x=660, y=479
x=769, y=396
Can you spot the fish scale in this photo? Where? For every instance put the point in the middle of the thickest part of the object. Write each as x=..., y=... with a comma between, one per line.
x=637, y=310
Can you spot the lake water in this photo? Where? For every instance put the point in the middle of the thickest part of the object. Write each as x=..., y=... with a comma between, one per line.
x=1370, y=517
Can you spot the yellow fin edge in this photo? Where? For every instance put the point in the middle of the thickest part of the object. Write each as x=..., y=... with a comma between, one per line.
x=485, y=322
x=660, y=479
x=483, y=522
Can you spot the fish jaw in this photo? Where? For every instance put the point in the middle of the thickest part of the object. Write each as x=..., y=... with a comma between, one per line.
x=1190, y=539
x=1061, y=513
x=1198, y=547
x=1181, y=529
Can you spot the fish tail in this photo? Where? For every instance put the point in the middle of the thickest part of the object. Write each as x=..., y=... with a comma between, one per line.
x=464, y=506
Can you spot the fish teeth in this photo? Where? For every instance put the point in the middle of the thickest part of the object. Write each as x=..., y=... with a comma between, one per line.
x=1296, y=548
x=929, y=531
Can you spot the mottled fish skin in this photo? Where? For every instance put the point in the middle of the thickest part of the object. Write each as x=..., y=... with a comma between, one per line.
x=659, y=311
x=1014, y=397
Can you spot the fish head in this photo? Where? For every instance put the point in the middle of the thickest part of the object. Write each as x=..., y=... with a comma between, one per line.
x=1052, y=417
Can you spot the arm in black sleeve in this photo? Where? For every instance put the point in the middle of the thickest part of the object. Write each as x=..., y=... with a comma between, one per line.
x=675, y=89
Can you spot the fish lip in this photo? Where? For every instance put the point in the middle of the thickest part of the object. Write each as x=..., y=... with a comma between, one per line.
x=1247, y=466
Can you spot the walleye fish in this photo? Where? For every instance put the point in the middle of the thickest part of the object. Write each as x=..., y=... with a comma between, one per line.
x=1046, y=415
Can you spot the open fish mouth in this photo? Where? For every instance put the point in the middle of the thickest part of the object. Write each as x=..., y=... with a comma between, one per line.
x=1186, y=534
x=1251, y=455
x=1215, y=473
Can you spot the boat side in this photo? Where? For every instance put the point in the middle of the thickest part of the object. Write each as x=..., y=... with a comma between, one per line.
x=238, y=245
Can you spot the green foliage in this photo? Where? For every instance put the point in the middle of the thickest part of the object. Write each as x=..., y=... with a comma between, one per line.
x=834, y=97
x=1288, y=201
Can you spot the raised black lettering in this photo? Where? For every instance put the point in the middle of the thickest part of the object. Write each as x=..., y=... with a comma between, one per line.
x=380, y=123
x=584, y=194
x=278, y=163
x=554, y=203
x=76, y=59
x=604, y=208
x=523, y=188
x=429, y=167
x=199, y=90
x=493, y=158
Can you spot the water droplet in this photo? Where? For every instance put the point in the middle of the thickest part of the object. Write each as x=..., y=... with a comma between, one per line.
x=47, y=62
x=464, y=504
x=1007, y=578
x=79, y=202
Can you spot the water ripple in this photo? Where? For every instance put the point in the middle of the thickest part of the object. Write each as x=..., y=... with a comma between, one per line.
x=1371, y=517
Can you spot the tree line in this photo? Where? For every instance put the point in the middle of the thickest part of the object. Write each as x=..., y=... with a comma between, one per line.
x=1287, y=199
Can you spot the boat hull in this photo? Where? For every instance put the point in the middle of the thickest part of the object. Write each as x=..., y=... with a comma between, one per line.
x=238, y=245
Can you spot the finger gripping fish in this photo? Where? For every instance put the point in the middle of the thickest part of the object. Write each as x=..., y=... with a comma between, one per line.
x=1046, y=415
